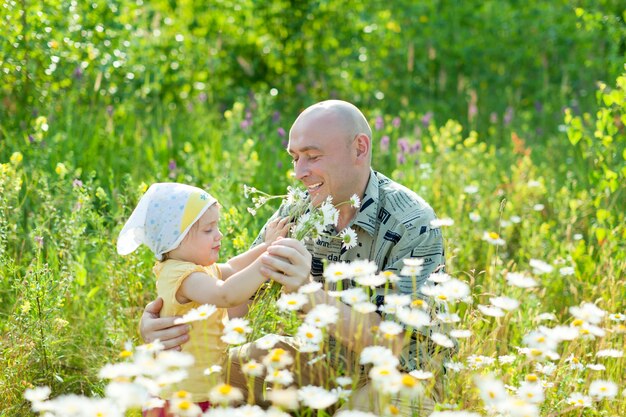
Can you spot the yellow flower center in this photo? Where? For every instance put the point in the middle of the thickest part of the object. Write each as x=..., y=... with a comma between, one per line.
x=181, y=394
x=239, y=330
x=225, y=389
x=536, y=352
x=393, y=410
x=309, y=335
x=417, y=303
x=184, y=405
x=442, y=297
x=338, y=273
x=494, y=235
x=408, y=381
x=578, y=322
x=125, y=354
x=531, y=378
x=292, y=302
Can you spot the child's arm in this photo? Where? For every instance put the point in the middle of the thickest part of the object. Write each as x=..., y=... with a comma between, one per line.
x=206, y=289
x=275, y=229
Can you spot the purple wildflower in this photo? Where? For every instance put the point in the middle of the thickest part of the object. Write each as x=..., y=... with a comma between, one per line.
x=39, y=240
x=281, y=132
x=384, y=143
x=78, y=72
x=401, y=158
x=508, y=116
x=427, y=118
x=403, y=144
x=396, y=122
x=276, y=117
x=493, y=117
x=416, y=147
x=202, y=97
x=77, y=183
x=379, y=123
x=171, y=165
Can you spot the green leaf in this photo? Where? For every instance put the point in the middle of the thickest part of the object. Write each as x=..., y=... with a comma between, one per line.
x=600, y=234
x=92, y=292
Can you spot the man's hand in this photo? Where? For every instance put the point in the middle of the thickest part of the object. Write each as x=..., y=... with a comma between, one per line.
x=288, y=262
x=153, y=327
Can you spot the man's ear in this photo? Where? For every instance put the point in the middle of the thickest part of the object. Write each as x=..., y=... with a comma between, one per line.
x=363, y=147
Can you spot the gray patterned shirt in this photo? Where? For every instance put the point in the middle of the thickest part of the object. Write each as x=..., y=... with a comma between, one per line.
x=393, y=223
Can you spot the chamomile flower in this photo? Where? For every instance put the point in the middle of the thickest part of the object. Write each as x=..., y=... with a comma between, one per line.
x=252, y=368
x=442, y=340
x=420, y=374
x=284, y=398
x=365, y=307
x=355, y=201
x=493, y=239
x=237, y=325
x=603, y=389
x=588, y=312
x=213, y=370
x=310, y=288
x=291, y=302
x=225, y=394
x=579, y=400
x=504, y=303
x=479, y=361
x=337, y=271
x=281, y=377
x=521, y=280
x=202, y=312
x=389, y=329
x=267, y=341
x=491, y=311
x=540, y=267
x=353, y=296
x=322, y=315
x=348, y=238
x=317, y=398
x=309, y=334
x=436, y=223
x=610, y=353
x=461, y=333
x=377, y=355
x=277, y=358
x=393, y=302
x=413, y=317
x=371, y=281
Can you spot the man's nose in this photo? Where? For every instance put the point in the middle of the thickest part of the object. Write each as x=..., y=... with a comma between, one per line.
x=300, y=169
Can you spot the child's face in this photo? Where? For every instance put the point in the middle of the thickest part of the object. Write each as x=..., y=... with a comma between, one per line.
x=202, y=244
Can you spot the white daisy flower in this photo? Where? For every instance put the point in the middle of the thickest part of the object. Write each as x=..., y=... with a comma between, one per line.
x=237, y=325
x=610, y=353
x=442, y=340
x=474, y=217
x=546, y=316
x=479, y=361
x=436, y=223
x=603, y=389
x=277, y=358
x=282, y=377
x=317, y=397
x=505, y=303
x=267, y=341
x=291, y=301
x=213, y=370
x=337, y=271
x=252, y=368
x=310, y=288
x=348, y=238
x=540, y=267
x=309, y=334
x=461, y=333
x=37, y=394
x=353, y=296
x=389, y=329
x=493, y=239
x=521, y=280
x=284, y=398
x=225, y=394
x=588, y=312
x=420, y=374
x=365, y=307
x=322, y=315
x=579, y=400
x=377, y=355
x=491, y=311
x=470, y=189
x=355, y=201
x=413, y=317
x=596, y=367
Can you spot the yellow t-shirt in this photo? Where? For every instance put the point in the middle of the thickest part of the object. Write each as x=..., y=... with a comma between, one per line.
x=204, y=342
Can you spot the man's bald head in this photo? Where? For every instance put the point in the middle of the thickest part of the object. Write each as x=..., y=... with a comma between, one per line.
x=343, y=115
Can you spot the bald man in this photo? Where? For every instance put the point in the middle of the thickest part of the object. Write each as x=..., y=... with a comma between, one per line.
x=331, y=148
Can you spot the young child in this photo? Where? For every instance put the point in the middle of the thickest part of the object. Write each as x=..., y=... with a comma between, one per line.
x=180, y=224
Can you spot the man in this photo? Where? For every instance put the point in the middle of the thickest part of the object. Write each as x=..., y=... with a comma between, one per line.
x=331, y=146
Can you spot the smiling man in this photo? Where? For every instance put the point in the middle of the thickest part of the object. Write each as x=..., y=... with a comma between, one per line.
x=331, y=146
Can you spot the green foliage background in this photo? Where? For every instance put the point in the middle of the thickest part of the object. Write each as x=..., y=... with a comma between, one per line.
x=100, y=98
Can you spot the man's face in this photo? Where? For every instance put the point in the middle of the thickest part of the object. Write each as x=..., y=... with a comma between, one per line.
x=324, y=158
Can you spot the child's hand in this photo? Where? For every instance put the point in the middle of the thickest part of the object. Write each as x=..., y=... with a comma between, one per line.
x=276, y=228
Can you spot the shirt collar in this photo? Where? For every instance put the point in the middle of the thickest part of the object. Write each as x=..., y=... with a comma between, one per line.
x=366, y=217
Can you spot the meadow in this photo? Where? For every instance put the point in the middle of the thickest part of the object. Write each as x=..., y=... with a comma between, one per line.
x=519, y=148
